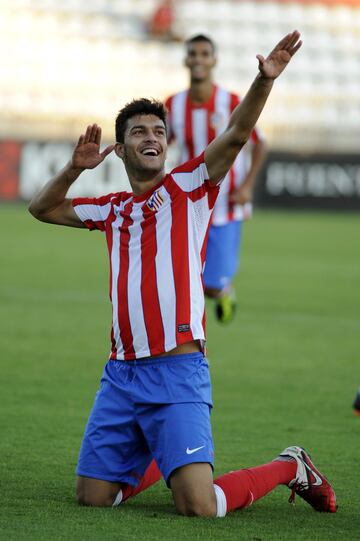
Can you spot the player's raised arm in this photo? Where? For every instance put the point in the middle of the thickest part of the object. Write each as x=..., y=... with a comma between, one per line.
x=221, y=153
x=50, y=204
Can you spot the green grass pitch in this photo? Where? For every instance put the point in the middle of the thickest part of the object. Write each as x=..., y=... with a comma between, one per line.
x=284, y=372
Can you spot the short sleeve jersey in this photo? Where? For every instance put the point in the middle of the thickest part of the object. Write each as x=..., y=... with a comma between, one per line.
x=194, y=126
x=156, y=244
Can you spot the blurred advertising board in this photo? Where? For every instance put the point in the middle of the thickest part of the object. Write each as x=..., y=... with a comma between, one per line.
x=315, y=181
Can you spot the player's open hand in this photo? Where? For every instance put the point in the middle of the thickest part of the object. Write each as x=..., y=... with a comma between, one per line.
x=87, y=153
x=280, y=56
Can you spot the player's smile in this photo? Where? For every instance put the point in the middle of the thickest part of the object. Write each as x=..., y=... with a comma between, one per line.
x=151, y=153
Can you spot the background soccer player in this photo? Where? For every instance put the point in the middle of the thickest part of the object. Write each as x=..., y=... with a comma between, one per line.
x=196, y=116
x=159, y=406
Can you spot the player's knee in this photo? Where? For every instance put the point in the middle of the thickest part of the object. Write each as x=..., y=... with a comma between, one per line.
x=197, y=507
x=86, y=495
x=94, y=500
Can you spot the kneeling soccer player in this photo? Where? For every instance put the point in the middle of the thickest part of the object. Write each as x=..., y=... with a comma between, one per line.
x=151, y=416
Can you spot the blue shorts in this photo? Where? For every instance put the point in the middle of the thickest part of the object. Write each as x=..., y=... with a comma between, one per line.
x=222, y=254
x=157, y=408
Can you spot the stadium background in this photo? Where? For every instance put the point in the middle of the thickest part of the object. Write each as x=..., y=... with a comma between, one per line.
x=72, y=63
x=287, y=369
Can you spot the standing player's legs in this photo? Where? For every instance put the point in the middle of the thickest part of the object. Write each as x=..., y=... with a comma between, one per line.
x=222, y=262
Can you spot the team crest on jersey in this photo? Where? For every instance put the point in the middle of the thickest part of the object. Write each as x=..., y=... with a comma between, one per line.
x=217, y=121
x=155, y=201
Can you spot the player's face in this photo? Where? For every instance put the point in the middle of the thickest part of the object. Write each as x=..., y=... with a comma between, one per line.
x=145, y=144
x=200, y=59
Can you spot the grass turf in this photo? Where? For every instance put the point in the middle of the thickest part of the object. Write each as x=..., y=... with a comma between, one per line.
x=284, y=372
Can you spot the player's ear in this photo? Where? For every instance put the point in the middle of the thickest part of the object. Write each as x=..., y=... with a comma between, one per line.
x=186, y=57
x=119, y=150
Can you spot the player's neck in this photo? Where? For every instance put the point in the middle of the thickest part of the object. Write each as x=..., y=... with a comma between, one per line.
x=200, y=91
x=142, y=182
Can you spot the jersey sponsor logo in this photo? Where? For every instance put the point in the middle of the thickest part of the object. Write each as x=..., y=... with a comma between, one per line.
x=191, y=451
x=184, y=327
x=155, y=201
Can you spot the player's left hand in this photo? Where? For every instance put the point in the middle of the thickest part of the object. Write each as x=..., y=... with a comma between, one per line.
x=280, y=56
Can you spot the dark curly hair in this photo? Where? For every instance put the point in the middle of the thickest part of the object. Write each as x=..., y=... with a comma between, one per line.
x=142, y=106
x=201, y=37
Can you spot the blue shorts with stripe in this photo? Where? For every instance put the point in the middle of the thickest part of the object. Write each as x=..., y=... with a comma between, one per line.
x=222, y=254
x=156, y=408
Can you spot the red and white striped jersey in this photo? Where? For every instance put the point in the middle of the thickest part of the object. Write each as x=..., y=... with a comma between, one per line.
x=156, y=245
x=194, y=126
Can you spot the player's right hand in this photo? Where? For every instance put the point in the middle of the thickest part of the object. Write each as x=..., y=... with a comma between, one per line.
x=241, y=195
x=87, y=153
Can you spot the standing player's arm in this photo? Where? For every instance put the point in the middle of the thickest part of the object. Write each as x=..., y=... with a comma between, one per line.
x=221, y=153
x=244, y=193
x=50, y=204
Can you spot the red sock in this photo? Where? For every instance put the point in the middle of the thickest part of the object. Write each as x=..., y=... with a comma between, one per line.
x=243, y=487
x=152, y=475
